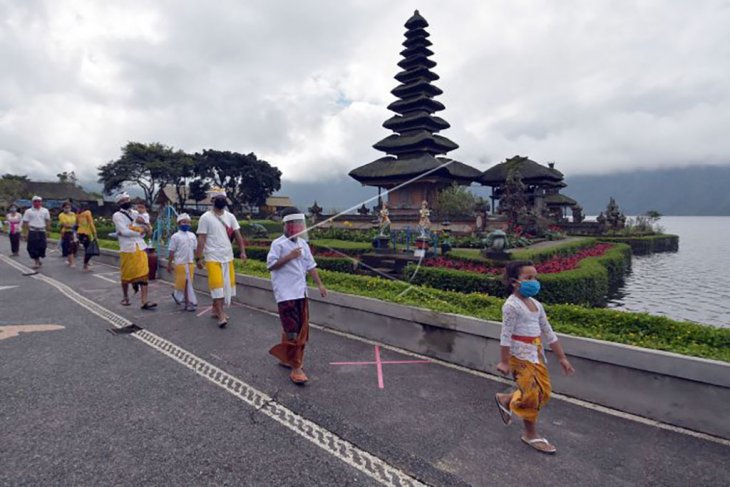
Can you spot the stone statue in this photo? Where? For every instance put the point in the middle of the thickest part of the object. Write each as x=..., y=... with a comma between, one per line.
x=424, y=223
x=578, y=215
x=384, y=220
x=614, y=217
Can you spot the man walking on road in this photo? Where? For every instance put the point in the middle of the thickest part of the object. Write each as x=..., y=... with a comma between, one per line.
x=134, y=267
x=289, y=261
x=216, y=229
x=37, y=224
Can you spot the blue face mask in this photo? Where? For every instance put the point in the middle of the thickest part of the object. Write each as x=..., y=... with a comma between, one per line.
x=185, y=228
x=529, y=288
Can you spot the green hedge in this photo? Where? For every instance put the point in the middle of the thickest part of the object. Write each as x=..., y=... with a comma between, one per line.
x=589, y=284
x=536, y=255
x=639, y=329
x=649, y=244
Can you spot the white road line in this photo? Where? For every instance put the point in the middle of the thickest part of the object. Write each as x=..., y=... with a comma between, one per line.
x=369, y=464
x=99, y=276
x=502, y=380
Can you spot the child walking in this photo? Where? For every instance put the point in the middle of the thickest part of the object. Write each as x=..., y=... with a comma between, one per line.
x=525, y=331
x=182, y=255
x=289, y=261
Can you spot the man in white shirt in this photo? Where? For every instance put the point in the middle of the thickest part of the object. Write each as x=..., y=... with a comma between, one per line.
x=289, y=261
x=134, y=267
x=215, y=230
x=36, y=225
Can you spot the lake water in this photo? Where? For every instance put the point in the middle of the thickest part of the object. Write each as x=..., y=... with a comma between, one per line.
x=692, y=284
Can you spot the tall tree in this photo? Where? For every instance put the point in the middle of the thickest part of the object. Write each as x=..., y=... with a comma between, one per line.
x=198, y=189
x=12, y=187
x=67, y=177
x=150, y=166
x=247, y=179
x=455, y=201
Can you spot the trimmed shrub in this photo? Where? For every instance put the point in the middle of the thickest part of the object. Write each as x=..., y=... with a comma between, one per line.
x=648, y=244
x=589, y=284
x=638, y=329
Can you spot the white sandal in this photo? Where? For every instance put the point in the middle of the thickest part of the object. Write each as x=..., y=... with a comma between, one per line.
x=534, y=441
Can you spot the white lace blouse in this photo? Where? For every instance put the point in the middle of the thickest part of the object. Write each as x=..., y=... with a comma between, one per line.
x=517, y=319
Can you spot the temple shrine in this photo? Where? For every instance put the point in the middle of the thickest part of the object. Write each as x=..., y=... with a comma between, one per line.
x=414, y=152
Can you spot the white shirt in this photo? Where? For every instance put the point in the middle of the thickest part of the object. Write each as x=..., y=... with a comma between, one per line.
x=183, y=244
x=517, y=319
x=129, y=240
x=36, y=219
x=290, y=281
x=218, y=246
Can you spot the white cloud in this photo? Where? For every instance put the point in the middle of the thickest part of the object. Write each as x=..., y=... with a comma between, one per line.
x=596, y=86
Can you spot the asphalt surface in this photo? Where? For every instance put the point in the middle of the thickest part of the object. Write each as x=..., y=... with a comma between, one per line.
x=80, y=406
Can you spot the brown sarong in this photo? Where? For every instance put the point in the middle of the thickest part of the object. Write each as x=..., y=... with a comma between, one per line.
x=294, y=316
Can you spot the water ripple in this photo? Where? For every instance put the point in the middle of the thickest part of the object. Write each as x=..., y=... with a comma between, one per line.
x=688, y=284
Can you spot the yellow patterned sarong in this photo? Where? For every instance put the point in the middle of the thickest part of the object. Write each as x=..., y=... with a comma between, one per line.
x=533, y=387
x=134, y=266
x=221, y=280
x=184, y=274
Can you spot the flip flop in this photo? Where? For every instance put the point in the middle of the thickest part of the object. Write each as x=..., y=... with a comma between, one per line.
x=222, y=324
x=532, y=444
x=125, y=302
x=504, y=413
x=285, y=365
x=298, y=378
x=149, y=306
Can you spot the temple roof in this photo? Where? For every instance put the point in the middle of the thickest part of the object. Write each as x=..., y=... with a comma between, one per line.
x=559, y=200
x=415, y=143
x=420, y=141
x=390, y=167
x=531, y=172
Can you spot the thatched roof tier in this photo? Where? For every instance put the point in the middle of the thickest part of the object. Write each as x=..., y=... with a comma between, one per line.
x=416, y=121
x=416, y=22
x=411, y=75
x=421, y=102
x=559, y=200
x=415, y=88
x=420, y=141
x=531, y=172
x=390, y=169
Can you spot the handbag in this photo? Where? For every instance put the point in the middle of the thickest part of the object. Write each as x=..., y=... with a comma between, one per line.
x=93, y=248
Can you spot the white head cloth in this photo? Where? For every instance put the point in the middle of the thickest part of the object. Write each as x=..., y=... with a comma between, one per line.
x=37, y=198
x=294, y=216
x=121, y=196
x=183, y=216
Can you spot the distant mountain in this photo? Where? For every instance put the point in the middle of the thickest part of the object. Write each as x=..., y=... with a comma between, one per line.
x=697, y=191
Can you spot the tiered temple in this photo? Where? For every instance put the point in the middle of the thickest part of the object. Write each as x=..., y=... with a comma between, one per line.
x=414, y=148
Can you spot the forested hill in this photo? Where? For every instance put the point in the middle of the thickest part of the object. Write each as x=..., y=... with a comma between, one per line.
x=689, y=191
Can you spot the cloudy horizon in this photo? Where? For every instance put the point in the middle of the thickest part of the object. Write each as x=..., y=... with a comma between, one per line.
x=597, y=87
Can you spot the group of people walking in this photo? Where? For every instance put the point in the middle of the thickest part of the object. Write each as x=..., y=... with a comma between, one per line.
x=525, y=326
x=34, y=225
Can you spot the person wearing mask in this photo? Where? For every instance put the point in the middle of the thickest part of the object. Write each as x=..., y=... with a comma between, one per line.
x=216, y=229
x=134, y=268
x=14, y=221
x=181, y=263
x=86, y=233
x=67, y=224
x=36, y=225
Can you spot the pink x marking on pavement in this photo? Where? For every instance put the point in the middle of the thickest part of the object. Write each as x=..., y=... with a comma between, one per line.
x=379, y=364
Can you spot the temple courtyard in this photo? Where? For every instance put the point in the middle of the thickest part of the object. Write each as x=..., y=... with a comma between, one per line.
x=181, y=402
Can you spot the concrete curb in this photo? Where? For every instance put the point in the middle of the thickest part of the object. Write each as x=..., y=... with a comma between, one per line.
x=684, y=391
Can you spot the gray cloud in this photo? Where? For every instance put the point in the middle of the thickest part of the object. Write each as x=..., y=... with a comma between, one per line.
x=596, y=86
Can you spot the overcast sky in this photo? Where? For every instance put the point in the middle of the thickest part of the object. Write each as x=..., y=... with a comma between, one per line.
x=599, y=86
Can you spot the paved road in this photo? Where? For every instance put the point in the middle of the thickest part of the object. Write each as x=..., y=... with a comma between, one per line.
x=81, y=406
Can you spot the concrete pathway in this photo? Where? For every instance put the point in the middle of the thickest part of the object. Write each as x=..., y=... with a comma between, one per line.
x=185, y=403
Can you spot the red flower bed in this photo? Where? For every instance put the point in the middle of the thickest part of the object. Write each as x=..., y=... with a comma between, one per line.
x=461, y=265
x=552, y=266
